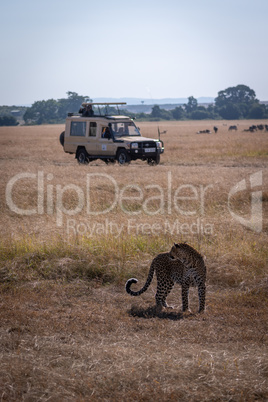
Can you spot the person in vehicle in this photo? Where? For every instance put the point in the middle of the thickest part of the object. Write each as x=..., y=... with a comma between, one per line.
x=87, y=111
x=106, y=133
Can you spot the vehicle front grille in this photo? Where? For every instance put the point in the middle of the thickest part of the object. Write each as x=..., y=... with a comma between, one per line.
x=147, y=144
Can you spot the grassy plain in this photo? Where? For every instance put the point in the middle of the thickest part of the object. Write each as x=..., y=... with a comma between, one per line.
x=68, y=329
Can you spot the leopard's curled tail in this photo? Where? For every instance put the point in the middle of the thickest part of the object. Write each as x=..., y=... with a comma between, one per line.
x=145, y=287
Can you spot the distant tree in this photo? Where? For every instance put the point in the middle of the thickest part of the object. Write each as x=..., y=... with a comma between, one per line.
x=266, y=111
x=257, y=111
x=235, y=101
x=230, y=112
x=9, y=110
x=71, y=104
x=166, y=114
x=200, y=113
x=8, y=121
x=239, y=94
x=211, y=109
x=178, y=113
x=156, y=111
x=53, y=111
x=42, y=112
x=140, y=116
x=191, y=105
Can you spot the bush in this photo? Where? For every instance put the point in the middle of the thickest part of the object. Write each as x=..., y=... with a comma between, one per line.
x=200, y=115
x=8, y=121
x=257, y=112
x=178, y=113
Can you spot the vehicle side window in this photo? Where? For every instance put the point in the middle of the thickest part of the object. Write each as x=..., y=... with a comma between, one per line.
x=78, y=128
x=93, y=129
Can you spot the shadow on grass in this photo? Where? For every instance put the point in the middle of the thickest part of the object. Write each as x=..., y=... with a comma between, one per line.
x=151, y=312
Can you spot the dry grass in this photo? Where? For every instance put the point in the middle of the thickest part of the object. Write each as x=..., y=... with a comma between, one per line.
x=68, y=329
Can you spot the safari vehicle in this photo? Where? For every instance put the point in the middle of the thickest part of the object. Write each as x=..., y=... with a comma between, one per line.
x=113, y=138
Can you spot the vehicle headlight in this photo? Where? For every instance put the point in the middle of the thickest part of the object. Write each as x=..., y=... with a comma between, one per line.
x=158, y=145
x=134, y=145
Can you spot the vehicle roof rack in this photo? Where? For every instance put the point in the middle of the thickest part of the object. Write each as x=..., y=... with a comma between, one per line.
x=84, y=104
x=103, y=103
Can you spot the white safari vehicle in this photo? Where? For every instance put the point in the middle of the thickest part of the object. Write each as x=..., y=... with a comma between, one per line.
x=92, y=136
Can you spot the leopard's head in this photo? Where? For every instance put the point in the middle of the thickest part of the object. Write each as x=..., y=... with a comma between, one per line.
x=177, y=251
x=184, y=251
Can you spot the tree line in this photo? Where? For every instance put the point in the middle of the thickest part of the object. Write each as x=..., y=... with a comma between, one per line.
x=54, y=111
x=233, y=103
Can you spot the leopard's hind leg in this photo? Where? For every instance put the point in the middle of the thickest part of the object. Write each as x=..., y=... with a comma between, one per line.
x=185, y=294
x=202, y=296
x=161, y=294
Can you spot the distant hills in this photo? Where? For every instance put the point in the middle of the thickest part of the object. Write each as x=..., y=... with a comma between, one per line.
x=147, y=101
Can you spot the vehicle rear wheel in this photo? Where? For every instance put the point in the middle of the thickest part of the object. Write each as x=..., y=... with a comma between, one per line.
x=154, y=161
x=62, y=138
x=82, y=156
x=122, y=157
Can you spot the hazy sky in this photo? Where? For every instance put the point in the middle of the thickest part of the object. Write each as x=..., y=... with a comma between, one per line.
x=137, y=48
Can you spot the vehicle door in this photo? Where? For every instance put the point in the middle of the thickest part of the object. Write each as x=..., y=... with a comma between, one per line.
x=91, y=138
x=106, y=145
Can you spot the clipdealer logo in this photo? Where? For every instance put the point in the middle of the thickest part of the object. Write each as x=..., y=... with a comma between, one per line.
x=255, y=221
x=185, y=200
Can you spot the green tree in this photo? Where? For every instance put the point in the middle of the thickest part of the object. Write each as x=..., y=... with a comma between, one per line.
x=71, y=104
x=239, y=94
x=200, y=113
x=54, y=111
x=42, y=112
x=235, y=101
x=191, y=105
x=158, y=113
x=257, y=111
x=8, y=121
x=212, y=112
x=178, y=113
x=230, y=112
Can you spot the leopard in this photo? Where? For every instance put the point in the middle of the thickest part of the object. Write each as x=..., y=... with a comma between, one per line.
x=183, y=265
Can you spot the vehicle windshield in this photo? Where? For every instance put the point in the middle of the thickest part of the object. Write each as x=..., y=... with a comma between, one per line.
x=127, y=128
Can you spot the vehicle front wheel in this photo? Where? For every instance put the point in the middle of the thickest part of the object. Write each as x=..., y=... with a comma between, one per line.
x=122, y=157
x=82, y=157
